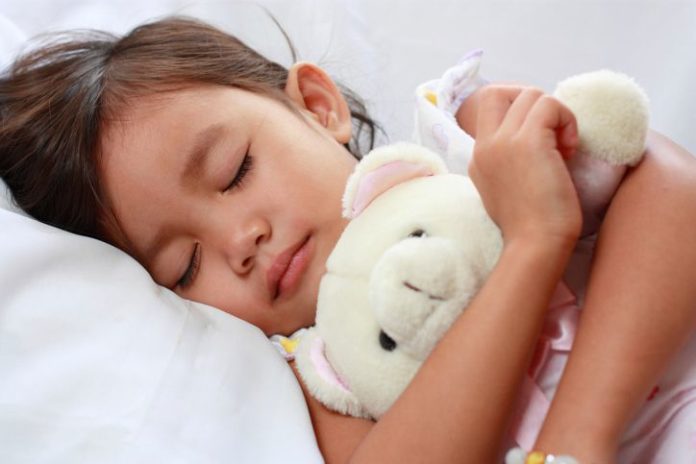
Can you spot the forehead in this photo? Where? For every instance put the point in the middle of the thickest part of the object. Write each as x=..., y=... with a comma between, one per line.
x=151, y=131
x=184, y=108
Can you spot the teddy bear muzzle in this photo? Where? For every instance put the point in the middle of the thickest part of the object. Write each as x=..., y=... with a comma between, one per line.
x=417, y=288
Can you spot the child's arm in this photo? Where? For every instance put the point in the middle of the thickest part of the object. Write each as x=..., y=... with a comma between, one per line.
x=640, y=302
x=640, y=306
x=457, y=407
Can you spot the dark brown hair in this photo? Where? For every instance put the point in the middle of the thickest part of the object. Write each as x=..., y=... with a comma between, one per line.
x=54, y=101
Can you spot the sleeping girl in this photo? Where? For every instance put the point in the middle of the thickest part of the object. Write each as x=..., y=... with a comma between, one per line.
x=221, y=172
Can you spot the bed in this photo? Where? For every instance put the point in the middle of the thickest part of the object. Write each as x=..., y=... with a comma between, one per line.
x=99, y=364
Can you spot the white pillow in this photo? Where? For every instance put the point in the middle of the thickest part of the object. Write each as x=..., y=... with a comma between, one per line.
x=99, y=364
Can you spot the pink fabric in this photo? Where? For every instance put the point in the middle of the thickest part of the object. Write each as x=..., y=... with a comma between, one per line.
x=558, y=335
x=664, y=430
x=530, y=417
x=596, y=181
x=382, y=179
x=559, y=328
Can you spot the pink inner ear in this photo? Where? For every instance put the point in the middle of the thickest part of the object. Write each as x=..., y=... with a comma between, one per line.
x=382, y=179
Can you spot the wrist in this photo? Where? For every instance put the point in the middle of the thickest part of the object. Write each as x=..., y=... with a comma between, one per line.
x=540, y=256
x=549, y=246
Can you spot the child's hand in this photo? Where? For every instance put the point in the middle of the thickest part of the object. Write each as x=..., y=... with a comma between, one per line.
x=522, y=137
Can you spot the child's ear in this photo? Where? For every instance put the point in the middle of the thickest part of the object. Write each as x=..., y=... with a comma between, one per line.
x=314, y=91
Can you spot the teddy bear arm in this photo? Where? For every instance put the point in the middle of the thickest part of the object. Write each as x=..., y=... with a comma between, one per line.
x=322, y=380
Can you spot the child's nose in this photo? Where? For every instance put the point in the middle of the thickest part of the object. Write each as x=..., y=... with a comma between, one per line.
x=244, y=245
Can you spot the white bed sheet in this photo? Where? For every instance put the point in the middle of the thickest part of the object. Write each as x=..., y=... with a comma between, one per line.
x=98, y=364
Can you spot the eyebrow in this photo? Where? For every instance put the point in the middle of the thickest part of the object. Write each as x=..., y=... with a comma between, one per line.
x=196, y=156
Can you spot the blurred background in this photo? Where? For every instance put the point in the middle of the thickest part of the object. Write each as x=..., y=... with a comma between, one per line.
x=383, y=48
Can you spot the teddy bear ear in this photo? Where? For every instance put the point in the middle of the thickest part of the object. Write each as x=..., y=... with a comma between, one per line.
x=322, y=381
x=385, y=167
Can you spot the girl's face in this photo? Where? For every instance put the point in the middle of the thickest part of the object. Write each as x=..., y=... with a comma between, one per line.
x=230, y=199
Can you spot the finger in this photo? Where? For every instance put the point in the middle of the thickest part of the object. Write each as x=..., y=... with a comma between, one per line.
x=568, y=140
x=494, y=104
x=550, y=114
x=518, y=111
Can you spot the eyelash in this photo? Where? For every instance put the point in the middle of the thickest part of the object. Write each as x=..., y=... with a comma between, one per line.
x=195, y=262
x=192, y=269
x=244, y=168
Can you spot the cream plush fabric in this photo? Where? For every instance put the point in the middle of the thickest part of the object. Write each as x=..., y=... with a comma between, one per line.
x=408, y=280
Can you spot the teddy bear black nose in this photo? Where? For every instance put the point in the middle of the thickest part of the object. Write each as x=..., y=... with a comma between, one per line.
x=417, y=233
x=386, y=341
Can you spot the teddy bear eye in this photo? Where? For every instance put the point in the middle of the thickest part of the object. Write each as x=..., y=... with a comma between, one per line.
x=386, y=341
x=418, y=233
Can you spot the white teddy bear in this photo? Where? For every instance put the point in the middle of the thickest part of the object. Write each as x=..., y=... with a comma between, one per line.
x=420, y=245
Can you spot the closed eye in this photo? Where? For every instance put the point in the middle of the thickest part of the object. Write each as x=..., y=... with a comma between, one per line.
x=191, y=271
x=244, y=168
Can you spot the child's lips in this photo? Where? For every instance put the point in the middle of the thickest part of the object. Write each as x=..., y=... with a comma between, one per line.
x=288, y=268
